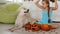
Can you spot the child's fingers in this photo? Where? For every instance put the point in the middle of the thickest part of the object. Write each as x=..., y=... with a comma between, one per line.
x=54, y=26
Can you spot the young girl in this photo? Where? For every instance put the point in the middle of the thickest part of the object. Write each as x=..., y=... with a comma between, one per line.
x=45, y=8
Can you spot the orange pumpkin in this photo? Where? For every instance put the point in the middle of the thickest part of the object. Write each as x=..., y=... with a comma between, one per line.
x=28, y=26
x=35, y=27
x=45, y=27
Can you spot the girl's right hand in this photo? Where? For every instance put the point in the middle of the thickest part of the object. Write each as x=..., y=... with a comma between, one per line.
x=55, y=0
x=37, y=0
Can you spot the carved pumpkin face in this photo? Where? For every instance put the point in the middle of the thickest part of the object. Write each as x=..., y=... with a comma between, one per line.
x=28, y=26
x=45, y=27
x=35, y=27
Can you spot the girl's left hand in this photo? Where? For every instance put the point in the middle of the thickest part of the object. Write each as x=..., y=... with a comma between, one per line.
x=54, y=26
x=55, y=0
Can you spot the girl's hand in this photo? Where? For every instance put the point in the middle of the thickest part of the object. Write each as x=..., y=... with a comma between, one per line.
x=55, y=0
x=56, y=5
x=37, y=0
x=54, y=26
x=37, y=3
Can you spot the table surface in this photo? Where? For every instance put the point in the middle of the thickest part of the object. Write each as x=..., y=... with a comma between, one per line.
x=4, y=30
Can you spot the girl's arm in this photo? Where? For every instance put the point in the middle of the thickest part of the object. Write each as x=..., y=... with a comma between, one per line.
x=56, y=5
x=37, y=3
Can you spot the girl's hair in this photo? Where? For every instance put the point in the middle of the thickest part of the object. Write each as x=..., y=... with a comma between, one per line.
x=47, y=1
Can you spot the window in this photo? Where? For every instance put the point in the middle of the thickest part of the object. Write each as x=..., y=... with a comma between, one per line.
x=9, y=0
x=18, y=1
